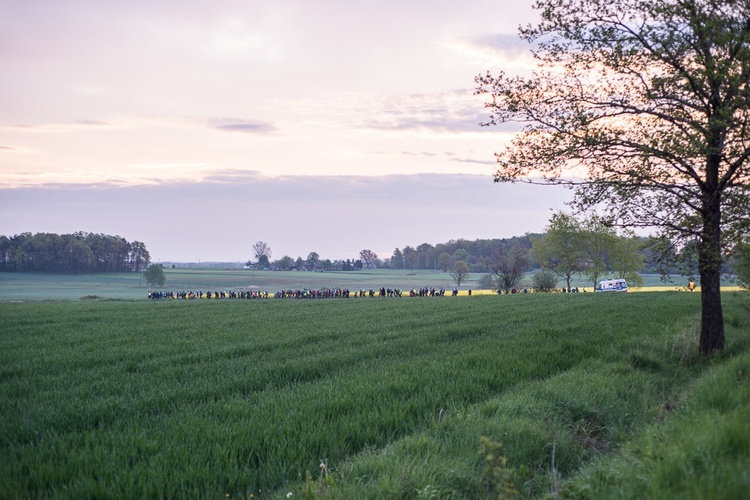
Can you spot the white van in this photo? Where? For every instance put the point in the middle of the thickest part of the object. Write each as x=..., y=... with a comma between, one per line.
x=616, y=285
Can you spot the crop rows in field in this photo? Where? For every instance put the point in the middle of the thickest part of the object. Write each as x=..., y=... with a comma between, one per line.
x=175, y=398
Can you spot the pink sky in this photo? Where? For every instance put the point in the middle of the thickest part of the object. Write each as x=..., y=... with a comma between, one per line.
x=144, y=100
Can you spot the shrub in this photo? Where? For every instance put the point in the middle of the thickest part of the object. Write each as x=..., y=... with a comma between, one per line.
x=544, y=281
x=154, y=275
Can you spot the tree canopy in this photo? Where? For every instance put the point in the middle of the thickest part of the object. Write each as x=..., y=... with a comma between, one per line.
x=643, y=108
x=154, y=275
x=460, y=272
x=262, y=253
x=76, y=253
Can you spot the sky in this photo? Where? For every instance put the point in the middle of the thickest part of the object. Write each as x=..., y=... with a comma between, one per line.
x=202, y=127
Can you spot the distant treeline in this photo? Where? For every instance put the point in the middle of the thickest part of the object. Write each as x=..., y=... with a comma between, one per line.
x=76, y=253
x=476, y=253
x=480, y=254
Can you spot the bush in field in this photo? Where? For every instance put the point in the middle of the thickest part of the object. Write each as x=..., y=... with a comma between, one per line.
x=154, y=275
x=544, y=281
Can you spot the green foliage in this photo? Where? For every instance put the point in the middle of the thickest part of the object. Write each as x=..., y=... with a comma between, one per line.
x=320, y=488
x=209, y=398
x=444, y=261
x=509, y=266
x=154, y=275
x=627, y=260
x=460, y=272
x=598, y=239
x=642, y=109
x=697, y=448
x=77, y=253
x=742, y=265
x=560, y=249
x=496, y=470
x=544, y=281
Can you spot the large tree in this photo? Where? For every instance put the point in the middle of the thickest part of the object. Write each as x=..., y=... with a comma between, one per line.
x=139, y=256
x=460, y=272
x=368, y=257
x=154, y=275
x=313, y=259
x=643, y=107
x=626, y=259
x=509, y=266
x=262, y=253
x=397, y=259
x=598, y=240
x=560, y=249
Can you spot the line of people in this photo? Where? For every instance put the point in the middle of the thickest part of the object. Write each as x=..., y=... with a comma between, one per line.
x=304, y=293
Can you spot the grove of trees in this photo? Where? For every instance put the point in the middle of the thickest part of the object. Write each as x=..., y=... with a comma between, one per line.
x=76, y=253
x=588, y=246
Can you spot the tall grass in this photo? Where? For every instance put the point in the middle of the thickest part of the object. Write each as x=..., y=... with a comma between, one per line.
x=208, y=398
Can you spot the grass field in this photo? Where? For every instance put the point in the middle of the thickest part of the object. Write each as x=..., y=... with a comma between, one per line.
x=34, y=286
x=578, y=395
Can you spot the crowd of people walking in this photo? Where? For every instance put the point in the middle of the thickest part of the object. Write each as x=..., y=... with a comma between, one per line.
x=304, y=293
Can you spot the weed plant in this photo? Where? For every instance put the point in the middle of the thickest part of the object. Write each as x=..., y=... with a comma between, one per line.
x=366, y=398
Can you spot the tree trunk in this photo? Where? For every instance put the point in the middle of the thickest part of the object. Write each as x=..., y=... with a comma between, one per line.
x=709, y=267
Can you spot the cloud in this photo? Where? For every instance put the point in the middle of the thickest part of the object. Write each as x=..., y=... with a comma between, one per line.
x=471, y=160
x=509, y=45
x=337, y=216
x=245, y=126
x=458, y=111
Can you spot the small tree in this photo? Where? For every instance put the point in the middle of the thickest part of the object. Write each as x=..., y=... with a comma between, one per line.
x=262, y=252
x=559, y=250
x=313, y=259
x=154, y=275
x=598, y=238
x=626, y=259
x=544, y=281
x=509, y=266
x=368, y=257
x=460, y=272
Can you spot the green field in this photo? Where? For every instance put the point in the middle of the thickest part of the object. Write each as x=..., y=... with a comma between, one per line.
x=37, y=286
x=577, y=395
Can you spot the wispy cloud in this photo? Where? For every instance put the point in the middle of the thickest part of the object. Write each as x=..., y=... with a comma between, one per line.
x=472, y=160
x=510, y=45
x=336, y=216
x=244, y=126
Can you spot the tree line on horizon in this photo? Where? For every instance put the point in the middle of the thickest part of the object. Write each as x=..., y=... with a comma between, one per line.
x=568, y=246
x=76, y=253
x=571, y=246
